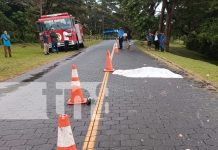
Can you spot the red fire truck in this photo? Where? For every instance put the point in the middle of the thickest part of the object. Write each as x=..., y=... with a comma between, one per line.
x=61, y=22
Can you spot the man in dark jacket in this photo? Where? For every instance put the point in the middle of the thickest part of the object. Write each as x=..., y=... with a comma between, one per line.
x=45, y=43
x=129, y=39
x=54, y=40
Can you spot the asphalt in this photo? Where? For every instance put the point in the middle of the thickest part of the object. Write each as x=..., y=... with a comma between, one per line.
x=141, y=114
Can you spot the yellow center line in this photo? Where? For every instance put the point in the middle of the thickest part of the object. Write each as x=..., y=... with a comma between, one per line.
x=90, y=138
x=93, y=126
x=112, y=54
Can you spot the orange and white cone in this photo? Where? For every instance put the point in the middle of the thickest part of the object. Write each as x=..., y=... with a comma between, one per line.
x=108, y=66
x=65, y=136
x=116, y=49
x=116, y=40
x=76, y=95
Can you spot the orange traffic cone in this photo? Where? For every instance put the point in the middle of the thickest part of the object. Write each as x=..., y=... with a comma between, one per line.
x=76, y=96
x=116, y=40
x=65, y=136
x=116, y=49
x=108, y=66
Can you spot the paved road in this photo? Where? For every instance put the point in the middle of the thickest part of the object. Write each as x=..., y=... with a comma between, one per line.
x=144, y=114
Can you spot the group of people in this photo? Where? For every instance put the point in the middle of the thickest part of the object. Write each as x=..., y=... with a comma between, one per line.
x=122, y=37
x=158, y=39
x=5, y=37
x=54, y=41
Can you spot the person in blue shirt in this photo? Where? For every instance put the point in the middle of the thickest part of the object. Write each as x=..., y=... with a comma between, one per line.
x=7, y=44
x=120, y=36
x=162, y=42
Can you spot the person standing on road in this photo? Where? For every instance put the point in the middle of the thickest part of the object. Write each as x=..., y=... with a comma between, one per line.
x=45, y=43
x=7, y=43
x=150, y=39
x=54, y=40
x=120, y=36
x=41, y=40
x=66, y=39
x=156, y=40
x=125, y=37
x=162, y=42
x=129, y=39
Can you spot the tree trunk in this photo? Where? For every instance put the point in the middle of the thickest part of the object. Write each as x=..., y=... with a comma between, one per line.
x=170, y=12
x=167, y=30
x=41, y=10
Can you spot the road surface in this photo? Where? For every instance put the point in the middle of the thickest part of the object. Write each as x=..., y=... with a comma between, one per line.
x=137, y=113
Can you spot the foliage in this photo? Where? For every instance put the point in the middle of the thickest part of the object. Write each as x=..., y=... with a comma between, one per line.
x=18, y=17
x=206, y=41
x=140, y=15
x=195, y=20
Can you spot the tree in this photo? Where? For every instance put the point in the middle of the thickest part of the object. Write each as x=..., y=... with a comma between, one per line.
x=161, y=21
x=170, y=8
x=140, y=15
x=5, y=21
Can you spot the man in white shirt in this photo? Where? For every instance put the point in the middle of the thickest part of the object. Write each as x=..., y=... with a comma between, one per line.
x=66, y=39
x=156, y=40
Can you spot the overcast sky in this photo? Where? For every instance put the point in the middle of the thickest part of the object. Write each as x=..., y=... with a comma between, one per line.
x=158, y=9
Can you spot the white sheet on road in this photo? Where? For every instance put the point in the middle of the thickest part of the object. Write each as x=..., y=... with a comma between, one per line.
x=147, y=72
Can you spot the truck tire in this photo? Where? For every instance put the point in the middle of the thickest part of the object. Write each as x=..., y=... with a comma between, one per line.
x=77, y=46
x=82, y=45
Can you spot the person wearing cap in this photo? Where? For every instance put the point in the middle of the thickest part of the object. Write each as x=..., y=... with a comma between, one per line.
x=54, y=40
x=7, y=44
x=120, y=36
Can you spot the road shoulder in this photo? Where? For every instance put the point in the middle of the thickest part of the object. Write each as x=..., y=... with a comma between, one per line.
x=178, y=69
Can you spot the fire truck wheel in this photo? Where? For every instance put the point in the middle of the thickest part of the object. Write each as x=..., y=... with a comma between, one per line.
x=77, y=46
x=82, y=45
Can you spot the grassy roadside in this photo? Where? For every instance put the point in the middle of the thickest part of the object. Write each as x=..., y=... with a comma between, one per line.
x=192, y=62
x=29, y=56
x=89, y=42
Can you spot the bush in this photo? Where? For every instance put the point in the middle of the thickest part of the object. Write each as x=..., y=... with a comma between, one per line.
x=184, y=38
x=192, y=41
x=203, y=43
x=214, y=46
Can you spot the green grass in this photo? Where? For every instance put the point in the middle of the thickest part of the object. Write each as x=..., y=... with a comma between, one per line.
x=190, y=61
x=91, y=42
x=26, y=57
